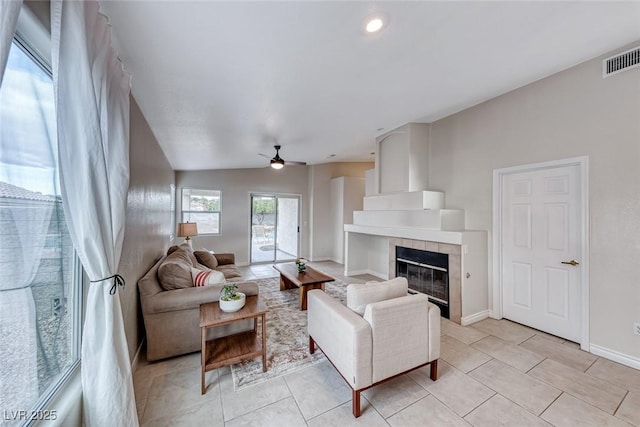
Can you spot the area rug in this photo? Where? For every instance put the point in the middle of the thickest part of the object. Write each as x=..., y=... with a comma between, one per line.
x=287, y=336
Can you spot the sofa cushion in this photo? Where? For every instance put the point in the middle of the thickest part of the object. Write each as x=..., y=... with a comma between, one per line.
x=225, y=258
x=359, y=295
x=205, y=258
x=191, y=298
x=230, y=271
x=207, y=277
x=175, y=271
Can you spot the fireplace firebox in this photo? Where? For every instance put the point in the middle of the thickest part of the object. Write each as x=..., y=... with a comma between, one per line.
x=427, y=272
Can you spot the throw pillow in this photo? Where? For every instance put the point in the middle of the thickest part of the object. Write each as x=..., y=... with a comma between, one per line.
x=189, y=250
x=205, y=258
x=207, y=277
x=225, y=258
x=359, y=295
x=175, y=271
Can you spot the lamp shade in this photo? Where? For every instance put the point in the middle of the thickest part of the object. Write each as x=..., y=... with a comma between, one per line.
x=187, y=229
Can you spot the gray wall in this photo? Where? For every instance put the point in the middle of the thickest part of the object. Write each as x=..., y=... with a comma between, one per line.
x=320, y=176
x=572, y=113
x=148, y=219
x=236, y=186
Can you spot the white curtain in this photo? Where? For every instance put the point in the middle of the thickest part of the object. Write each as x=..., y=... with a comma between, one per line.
x=21, y=242
x=9, y=10
x=92, y=106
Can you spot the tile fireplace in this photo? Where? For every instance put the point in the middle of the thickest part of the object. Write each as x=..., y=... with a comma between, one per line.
x=427, y=272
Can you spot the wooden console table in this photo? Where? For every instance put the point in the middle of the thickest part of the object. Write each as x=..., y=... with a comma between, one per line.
x=233, y=348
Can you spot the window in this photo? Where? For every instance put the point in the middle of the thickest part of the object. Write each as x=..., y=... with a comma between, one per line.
x=203, y=208
x=40, y=294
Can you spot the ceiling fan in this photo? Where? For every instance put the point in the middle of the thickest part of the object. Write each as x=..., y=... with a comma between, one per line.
x=278, y=162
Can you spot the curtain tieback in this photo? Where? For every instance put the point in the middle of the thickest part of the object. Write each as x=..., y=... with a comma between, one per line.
x=118, y=280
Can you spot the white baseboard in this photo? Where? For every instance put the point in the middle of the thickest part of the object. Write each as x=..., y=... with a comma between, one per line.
x=616, y=356
x=476, y=317
x=136, y=358
x=366, y=271
x=321, y=258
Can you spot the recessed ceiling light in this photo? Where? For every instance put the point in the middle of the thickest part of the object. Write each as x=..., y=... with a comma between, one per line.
x=375, y=23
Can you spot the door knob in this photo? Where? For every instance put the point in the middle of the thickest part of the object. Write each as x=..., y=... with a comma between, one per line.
x=573, y=262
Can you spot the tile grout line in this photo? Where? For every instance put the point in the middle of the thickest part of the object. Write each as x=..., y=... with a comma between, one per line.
x=296, y=400
x=592, y=363
x=537, y=364
x=409, y=406
x=254, y=410
x=620, y=404
x=484, y=401
x=552, y=402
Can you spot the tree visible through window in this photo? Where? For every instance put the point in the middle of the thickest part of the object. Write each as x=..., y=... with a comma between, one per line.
x=39, y=292
x=203, y=208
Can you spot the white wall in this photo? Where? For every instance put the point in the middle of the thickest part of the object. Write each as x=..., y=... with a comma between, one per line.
x=236, y=186
x=321, y=231
x=572, y=113
x=347, y=193
x=148, y=224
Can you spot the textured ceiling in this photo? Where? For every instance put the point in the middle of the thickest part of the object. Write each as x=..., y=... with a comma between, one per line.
x=220, y=82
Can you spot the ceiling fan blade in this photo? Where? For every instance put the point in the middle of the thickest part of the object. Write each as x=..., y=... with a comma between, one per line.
x=264, y=155
x=289, y=162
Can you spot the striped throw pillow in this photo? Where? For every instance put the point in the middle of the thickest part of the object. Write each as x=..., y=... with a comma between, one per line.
x=207, y=277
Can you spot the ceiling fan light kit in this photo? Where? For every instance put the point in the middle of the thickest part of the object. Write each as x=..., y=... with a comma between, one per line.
x=277, y=162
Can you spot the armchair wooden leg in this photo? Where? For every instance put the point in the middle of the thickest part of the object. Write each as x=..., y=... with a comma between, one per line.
x=312, y=345
x=434, y=370
x=355, y=402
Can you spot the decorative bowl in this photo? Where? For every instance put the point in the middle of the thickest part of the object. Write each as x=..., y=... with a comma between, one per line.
x=233, y=305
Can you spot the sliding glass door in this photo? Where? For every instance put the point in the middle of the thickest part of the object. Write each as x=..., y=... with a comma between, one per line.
x=275, y=231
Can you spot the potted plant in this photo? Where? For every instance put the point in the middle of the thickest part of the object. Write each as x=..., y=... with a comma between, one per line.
x=302, y=267
x=230, y=299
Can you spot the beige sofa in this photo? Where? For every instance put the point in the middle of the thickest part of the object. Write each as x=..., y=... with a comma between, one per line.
x=171, y=317
x=381, y=333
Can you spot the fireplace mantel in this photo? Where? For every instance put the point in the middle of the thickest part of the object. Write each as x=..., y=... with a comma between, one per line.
x=441, y=236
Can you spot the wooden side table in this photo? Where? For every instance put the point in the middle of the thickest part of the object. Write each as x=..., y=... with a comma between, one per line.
x=233, y=348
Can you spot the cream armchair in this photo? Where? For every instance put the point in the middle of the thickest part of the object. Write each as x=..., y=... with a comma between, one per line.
x=381, y=333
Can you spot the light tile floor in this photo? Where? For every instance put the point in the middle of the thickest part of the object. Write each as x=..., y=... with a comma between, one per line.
x=494, y=372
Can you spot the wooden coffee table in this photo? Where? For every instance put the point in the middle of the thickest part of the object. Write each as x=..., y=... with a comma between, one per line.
x=233, y=348
x=310, y=279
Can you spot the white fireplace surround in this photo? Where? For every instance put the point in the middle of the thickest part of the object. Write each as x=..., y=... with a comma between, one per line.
x=373, y=252
x=399, y=210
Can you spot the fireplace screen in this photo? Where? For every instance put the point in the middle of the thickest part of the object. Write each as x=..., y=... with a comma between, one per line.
x=427, y=273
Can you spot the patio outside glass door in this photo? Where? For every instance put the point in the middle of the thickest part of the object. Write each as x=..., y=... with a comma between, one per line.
x=274, y=228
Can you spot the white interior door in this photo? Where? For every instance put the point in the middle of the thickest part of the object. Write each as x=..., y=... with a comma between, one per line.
x=540, y=249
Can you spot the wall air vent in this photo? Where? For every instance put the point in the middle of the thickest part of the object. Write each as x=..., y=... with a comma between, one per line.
x=621, y=62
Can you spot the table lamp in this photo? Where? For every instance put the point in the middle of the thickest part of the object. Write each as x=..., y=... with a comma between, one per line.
x=187, y=229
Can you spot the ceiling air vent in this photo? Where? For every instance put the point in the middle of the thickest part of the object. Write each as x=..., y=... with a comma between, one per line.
x=621, y=62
